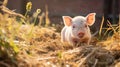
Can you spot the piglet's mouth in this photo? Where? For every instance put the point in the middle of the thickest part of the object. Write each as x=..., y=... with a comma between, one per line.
x=80, y=35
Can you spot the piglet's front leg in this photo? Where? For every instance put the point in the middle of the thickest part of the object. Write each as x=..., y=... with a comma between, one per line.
x=85, y=40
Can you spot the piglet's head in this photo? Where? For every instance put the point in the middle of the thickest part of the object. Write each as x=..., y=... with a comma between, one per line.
x=79, y=24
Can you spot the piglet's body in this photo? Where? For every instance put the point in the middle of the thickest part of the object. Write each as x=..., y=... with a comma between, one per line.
x=76, y=29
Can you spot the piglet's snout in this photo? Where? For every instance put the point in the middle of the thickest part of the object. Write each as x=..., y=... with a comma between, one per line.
x=81, y=34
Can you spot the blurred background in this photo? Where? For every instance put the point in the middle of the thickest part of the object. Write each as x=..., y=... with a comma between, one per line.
x=58, y=8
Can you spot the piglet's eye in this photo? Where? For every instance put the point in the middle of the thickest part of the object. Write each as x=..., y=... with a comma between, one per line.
x=73, y=26
x=85, y=25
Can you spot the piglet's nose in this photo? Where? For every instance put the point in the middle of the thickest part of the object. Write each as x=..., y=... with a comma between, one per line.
x=80, y=35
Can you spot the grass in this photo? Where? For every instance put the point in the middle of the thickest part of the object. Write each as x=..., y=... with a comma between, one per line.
x=27, y=45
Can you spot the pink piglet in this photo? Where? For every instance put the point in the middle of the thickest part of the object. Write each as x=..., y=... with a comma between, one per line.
x=77, y=29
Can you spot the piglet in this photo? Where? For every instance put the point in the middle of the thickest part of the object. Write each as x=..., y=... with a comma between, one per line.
x=77, y=29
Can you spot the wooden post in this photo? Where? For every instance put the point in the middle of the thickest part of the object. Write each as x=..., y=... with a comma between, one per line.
x=111, y=11
x=107, y=11
x=23, y=4
x=115, y=11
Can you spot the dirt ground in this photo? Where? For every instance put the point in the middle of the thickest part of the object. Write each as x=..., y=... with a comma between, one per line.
x=44, y=49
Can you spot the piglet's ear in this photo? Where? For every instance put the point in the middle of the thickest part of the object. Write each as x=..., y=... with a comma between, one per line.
x=67, y=20
x=90, y=19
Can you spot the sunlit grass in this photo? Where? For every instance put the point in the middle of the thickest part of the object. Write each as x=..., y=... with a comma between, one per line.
x=110, y=35
x=108, y=31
